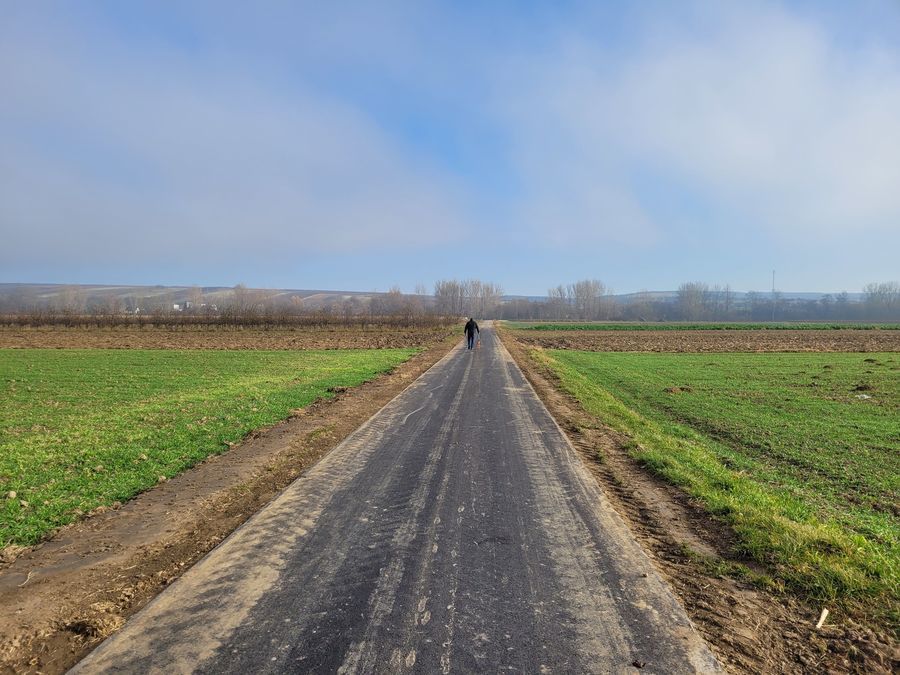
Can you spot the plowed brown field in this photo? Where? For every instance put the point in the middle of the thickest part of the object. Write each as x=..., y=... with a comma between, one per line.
x=716, y=340
x=333, y=337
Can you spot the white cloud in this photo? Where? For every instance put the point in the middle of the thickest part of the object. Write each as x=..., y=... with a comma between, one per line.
x=750, y=115
x=117, y=152
x=759, y=111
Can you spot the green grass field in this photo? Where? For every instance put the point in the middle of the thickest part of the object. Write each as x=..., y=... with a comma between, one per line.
x=800, y=453
x=565, y=325
x=85, y=428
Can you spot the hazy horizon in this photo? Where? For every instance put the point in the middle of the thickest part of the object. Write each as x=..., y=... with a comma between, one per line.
x=429, y=287
x=530, y=144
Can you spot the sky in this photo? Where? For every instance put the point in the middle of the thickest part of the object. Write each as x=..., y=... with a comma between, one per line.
x=357, y=146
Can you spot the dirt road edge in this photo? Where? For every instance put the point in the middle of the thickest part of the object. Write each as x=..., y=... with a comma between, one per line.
x=63, y=597
x=748, y=628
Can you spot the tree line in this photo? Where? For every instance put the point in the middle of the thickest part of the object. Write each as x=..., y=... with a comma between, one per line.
x=697, y=301
x=471, y=297
x=239, y=306
x=592, y=300
x=451, y=299
x=243, y=306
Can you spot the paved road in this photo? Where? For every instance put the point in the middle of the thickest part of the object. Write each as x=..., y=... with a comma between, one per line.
x=454, y=532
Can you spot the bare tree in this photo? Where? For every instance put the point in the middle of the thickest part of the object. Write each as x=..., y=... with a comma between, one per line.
x=727, y=300
x=556, y=297
x=587, y=297
x=194, y=299
x=70, y=303
x=882, y=300
x=402, y=304
x=693, y=297
x=581, y=296
x=249, y=305
x=469, y=297
x=719, y=301
x=448, y=298
x=490, y=296
x=113, y=305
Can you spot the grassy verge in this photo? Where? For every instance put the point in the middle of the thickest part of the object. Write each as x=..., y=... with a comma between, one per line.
x=529, y=325
x=86, y=428
x=799, y=453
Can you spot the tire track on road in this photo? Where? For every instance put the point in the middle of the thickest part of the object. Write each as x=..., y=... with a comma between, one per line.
x=456, y=531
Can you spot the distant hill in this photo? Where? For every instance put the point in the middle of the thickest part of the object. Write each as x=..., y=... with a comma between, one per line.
x=672, y=296
x=91, y=294
x=63, y=301
x=738, y=296
x=29, y=294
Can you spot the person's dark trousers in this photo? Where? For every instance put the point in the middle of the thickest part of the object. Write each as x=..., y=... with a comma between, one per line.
x=471, y=340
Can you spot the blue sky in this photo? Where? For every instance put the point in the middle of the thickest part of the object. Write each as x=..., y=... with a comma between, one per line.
x=360, y=145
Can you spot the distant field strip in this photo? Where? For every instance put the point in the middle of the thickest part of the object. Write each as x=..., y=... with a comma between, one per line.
x=85, y=428
x=563, y=325
x=800, y=453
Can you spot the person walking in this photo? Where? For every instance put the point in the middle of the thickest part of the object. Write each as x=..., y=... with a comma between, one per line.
x=470, y=330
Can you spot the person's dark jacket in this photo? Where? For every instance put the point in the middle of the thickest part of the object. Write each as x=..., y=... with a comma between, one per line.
x=471, y=327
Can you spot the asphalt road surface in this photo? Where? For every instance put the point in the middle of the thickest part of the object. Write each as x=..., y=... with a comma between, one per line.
x=456, y=531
